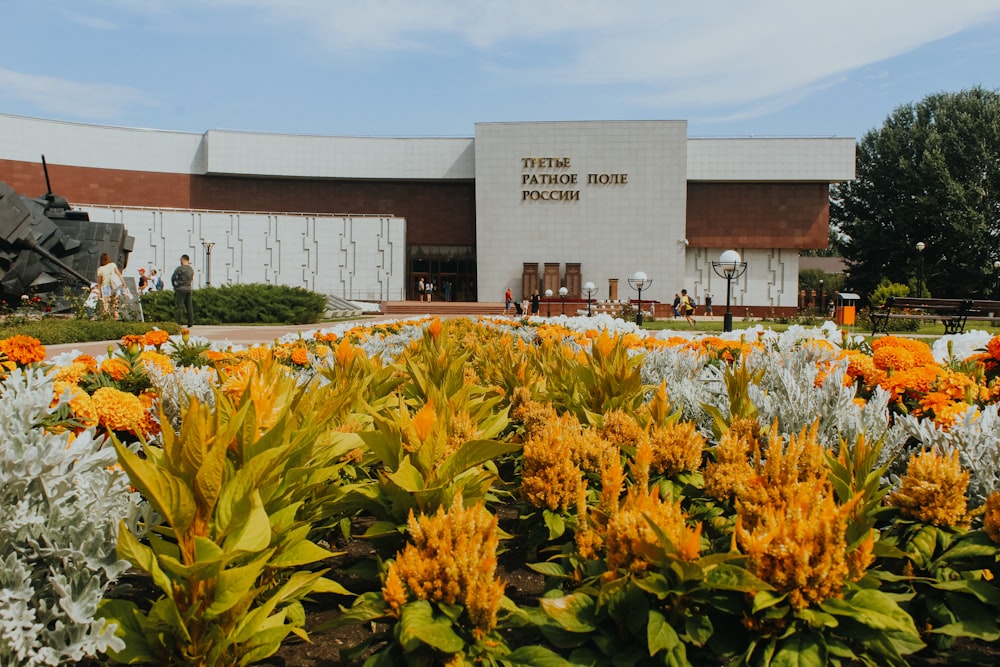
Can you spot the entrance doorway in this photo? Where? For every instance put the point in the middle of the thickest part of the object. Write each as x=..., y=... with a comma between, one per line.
x=453, y=277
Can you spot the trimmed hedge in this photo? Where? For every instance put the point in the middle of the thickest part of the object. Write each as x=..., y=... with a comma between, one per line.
x=242, y=304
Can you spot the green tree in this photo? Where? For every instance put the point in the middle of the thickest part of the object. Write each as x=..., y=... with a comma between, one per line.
x=931, y=175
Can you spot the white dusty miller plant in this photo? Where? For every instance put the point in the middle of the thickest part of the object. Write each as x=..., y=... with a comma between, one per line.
x=60, y=503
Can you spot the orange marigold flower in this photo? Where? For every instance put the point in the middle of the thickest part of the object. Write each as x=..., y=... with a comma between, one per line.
x=80, y=402
x=118, y=410
x=933, y=490
x=87, y=360
x=157, y=359
x=156, y=337
x=116, y=367
x=133, y=342
x=22, y=350
x=993, y=347
x=300, y=356
x=72, y=373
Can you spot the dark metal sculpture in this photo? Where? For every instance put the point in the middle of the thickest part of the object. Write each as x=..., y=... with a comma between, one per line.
x=46, y=246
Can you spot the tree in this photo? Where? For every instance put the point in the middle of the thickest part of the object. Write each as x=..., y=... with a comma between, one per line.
x=930, y=175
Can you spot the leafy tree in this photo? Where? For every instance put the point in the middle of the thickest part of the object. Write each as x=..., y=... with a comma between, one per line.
x=931, y=174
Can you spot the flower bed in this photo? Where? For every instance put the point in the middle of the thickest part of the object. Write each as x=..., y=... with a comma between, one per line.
x=757, y=497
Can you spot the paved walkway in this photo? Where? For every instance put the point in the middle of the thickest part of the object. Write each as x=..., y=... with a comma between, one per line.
x=238, y=335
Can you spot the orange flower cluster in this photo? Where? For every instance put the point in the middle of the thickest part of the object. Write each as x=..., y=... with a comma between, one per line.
x=933, y=490
x=789, y=524
x=451, y=558
x=731, y=469
x=991, y=516
x=118, y=410
x=624, y=528
x=156, y=337
x=555, y=459
x=22, y=350
x=82, y=405
x=116, y=368
x=677, y=448
x=798, y=545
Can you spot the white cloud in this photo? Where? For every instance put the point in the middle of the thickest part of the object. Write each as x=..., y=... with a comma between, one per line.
x=706, y=53
x=50, y=94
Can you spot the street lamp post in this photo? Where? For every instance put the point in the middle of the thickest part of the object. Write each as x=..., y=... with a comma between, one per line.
x=548, y=303
x=920, y=267
x=589, y=289
x=208, y=261
x=729, y=266
x=639, y=281
x=562, y=297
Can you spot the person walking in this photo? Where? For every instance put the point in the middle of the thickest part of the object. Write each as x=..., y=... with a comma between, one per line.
x=508, y=301
x=687, y=307
x=535, y=302
x=110, y=284
x=182, y=280
x=708, y=303
x=421, y=289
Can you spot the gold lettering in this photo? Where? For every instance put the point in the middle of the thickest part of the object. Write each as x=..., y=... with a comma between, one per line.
x=607, y=179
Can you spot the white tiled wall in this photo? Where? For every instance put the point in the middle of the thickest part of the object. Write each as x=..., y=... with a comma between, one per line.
x=358, y=257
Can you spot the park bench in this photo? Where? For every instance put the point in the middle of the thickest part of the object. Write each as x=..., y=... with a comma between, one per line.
x=953, y=313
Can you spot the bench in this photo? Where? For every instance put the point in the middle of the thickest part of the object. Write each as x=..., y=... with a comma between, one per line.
x=953, y=313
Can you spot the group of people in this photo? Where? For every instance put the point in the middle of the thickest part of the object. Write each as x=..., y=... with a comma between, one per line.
x=521, y=307
x=110, y=289
x=685, y=305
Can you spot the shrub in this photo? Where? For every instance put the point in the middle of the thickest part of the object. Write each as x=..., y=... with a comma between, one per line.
x=56, y=331
x=60, y=504
x=242, y=304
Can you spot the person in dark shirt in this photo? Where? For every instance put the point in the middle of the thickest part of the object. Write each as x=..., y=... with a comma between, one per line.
x=182, y=280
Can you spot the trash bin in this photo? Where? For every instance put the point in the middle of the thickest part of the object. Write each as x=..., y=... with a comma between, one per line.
x=846, y=311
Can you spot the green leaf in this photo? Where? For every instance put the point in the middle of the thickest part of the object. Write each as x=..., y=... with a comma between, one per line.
x=874, y=609
x=142, y=557
x=555, y=523
x=800, y=650
x=131, y=629
x=255, y=534
x=572, y=613
x=923, y=543
x=301, y=553
x=407, y=476
x=471, y=454
x=168, y=494
x=730, y=577
x=549, y=569
x=534, y=656
x=417, y=625
x=208, y=478
x=659, y=634
x=324, y=585
x=233, y=585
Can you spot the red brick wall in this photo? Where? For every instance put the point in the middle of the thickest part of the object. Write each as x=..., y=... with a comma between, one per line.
x=437, y=213
x=758, y=215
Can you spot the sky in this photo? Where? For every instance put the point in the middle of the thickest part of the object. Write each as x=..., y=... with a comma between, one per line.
x=434, y=68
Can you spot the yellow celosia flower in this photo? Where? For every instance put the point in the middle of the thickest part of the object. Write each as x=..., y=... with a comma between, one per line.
x=731, y=469
x=676, y=448
x=933, y=490
x=798, y=545
x=451, y=558
x=621, y=429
